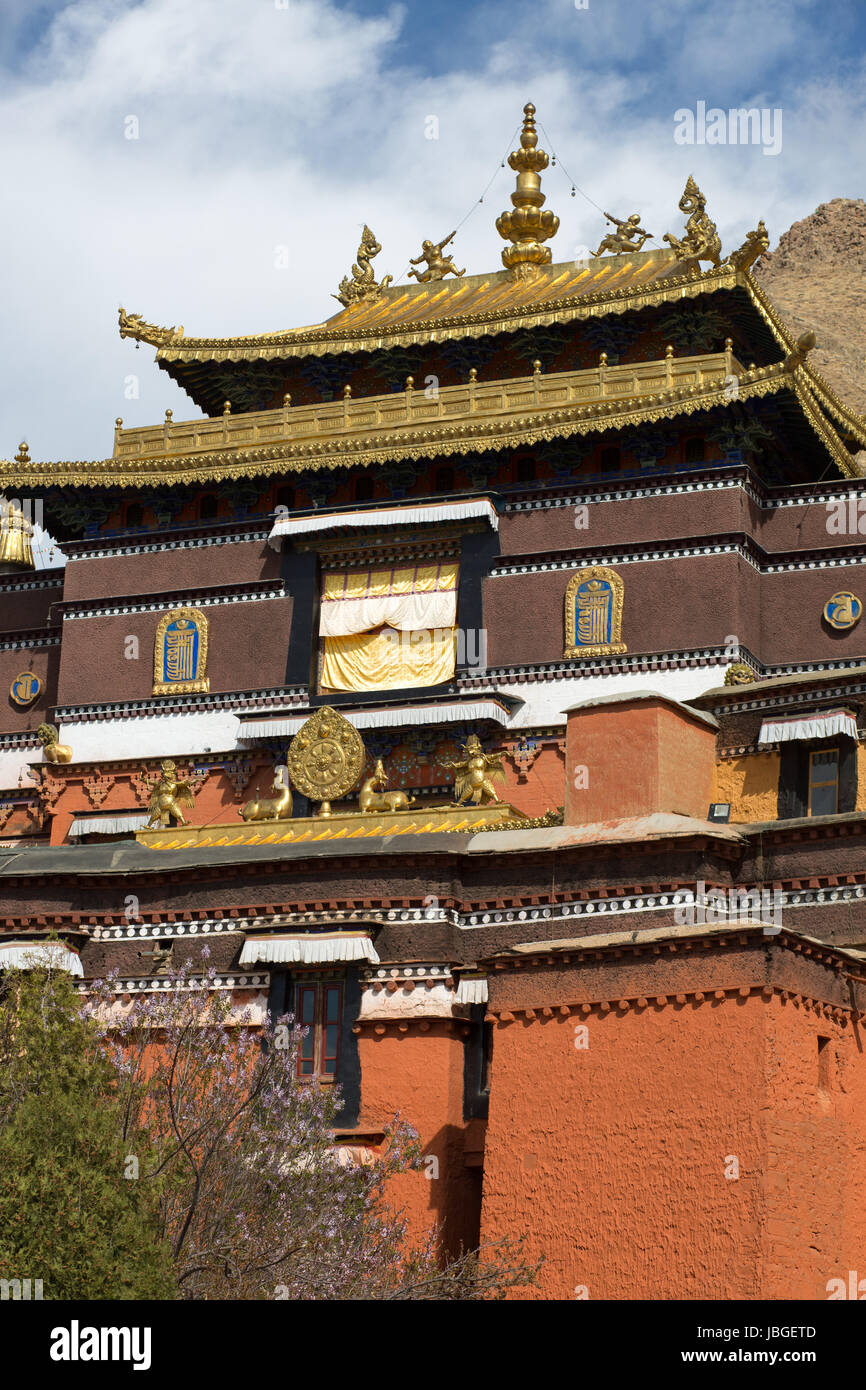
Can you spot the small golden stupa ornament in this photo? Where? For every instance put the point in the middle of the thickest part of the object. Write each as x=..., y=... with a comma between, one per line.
x=527, y=227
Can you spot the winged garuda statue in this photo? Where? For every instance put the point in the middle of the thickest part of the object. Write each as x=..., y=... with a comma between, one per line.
x=168, y=796
x=475, y=774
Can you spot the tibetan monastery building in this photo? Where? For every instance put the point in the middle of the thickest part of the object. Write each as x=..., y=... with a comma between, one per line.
x=481, y=675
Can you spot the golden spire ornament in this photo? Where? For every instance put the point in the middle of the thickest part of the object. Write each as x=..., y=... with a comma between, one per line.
x=527, y=227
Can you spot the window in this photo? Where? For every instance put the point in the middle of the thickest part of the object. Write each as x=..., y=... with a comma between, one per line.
x=610, y=460
x=476, y=1065
x=364, y=488
x=207, y=508
x=285, y=498
x=824, y=782
x=694, y=451
x=388, y=629
x=134, y=515
x=444, y=480
x=319, y=1008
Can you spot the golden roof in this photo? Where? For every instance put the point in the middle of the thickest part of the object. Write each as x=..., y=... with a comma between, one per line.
x=472, y=306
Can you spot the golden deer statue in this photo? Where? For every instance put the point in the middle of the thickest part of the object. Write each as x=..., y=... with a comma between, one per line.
x=370, y=800
x=278, y=807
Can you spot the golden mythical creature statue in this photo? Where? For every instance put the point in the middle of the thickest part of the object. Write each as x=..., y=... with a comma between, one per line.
x=739, y=674
x=362, y=285
x=168, y=796
x=438, y=266
x=52, y=750
x=134, y=326
x=277, y=807
x=755, y=245
x=630, y=235
x=475, y=774
x=370, y=800
x=701, y=241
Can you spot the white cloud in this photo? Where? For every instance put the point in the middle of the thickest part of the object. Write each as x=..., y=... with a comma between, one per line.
x=262, y=127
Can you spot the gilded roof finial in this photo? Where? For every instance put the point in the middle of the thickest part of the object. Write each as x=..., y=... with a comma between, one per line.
x=527, y=226
x=23, y=455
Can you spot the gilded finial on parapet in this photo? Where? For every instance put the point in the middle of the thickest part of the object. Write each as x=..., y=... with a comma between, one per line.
x=438, y=266
x=23, y=455
x=756, y=243
x=629, y=235
x=134, y=326
x=805, y=343
x=701, y=241
x=527, y=227
x=16, y=531
x=362, y=283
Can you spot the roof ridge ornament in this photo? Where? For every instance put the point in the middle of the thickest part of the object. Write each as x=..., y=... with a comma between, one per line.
x=756, y=243
x=362, y=284
x=701, y=241
x=134, y=326
x=527, y=227
x=438, y=266
x=628, y=237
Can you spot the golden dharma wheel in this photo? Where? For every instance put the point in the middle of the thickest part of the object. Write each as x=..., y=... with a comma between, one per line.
x=326, y=757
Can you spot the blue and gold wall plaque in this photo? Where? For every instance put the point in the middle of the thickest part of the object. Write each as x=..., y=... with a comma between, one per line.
x=25, y=688
x=180, y=653
x=843, y=610
x=593, y=613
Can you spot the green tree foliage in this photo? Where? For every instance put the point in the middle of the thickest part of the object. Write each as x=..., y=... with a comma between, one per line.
x=73, y=1213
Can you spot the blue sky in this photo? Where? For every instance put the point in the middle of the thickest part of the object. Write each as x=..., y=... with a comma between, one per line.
x=268, y=131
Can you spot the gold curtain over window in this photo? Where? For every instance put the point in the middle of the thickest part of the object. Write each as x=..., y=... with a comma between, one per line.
x=387, y=628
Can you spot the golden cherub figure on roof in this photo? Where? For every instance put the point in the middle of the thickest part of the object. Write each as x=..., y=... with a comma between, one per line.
x=438, y=266
x=168, y=796
x=475, y=774
x=629, y=236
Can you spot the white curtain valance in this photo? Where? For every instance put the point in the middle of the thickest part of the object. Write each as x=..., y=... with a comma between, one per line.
x=471, y=991
x=411, y=514
x=396, y=717
x=30, y=955
x=825, y=725
x=106, y=825
x=407, y=598
x=308, y=949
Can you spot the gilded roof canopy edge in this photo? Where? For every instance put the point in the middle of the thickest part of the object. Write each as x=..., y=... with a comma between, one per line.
x=451, y=438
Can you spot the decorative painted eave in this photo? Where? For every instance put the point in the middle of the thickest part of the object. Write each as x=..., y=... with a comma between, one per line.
x=473, y=418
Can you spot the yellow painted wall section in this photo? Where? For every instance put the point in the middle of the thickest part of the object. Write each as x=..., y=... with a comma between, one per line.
x=860, y=804
x=751, y=785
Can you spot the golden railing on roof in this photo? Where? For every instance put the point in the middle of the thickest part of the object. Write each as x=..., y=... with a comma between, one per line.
x=429, y=405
